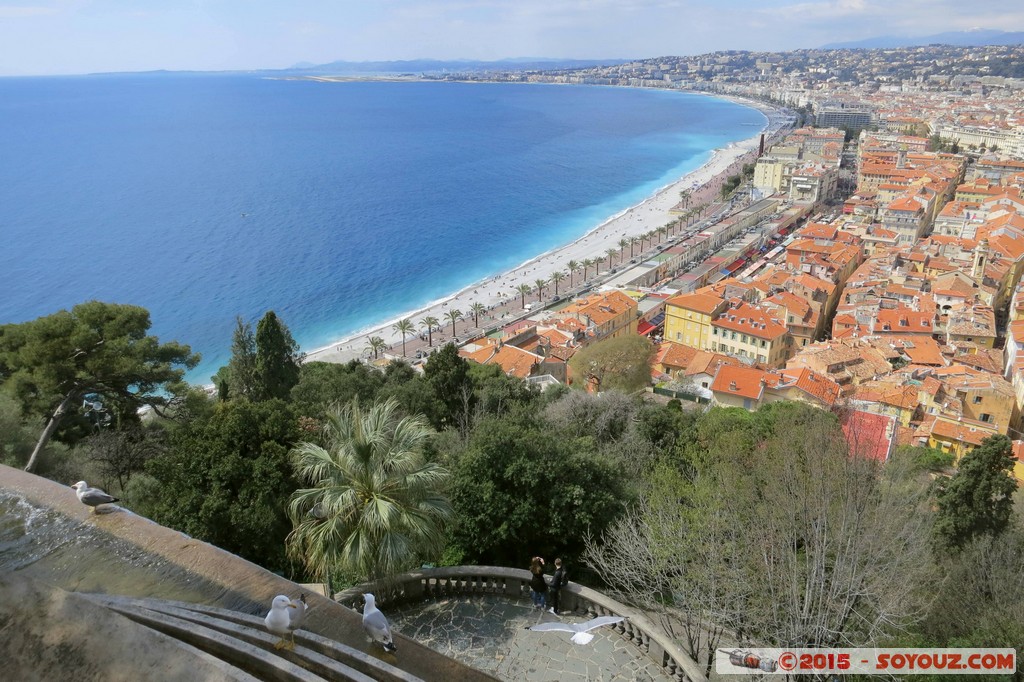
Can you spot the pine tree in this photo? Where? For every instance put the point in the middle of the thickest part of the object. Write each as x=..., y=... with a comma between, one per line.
x=978, y=499
x=277, y=359
x=241, y=370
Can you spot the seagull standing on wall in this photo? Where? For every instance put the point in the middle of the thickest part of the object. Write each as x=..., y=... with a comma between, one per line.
x=278, y=621
x=376, y=625
x=297, y=617
x=92, y=497
x=580, y=630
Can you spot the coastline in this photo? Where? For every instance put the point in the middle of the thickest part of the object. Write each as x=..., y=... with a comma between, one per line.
x=653, y=212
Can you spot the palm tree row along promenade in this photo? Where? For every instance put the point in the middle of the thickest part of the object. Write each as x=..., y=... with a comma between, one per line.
x=578, y=277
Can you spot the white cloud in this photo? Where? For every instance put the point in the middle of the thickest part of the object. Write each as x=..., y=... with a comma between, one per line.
x=832, y=9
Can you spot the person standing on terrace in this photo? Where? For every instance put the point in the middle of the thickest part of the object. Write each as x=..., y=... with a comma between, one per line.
x=538, y=587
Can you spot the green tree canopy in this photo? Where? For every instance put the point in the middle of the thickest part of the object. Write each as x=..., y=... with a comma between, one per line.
x=448, y=376
x=519, y=490
x=622, y=363
x=496, y=392
x=96, y=349
x=277, y=359
x=263, y=365
x=372, y=506
x=225, y=479
x=239, y=377
x=325, y=384
x=978, y=500
x=980, y=603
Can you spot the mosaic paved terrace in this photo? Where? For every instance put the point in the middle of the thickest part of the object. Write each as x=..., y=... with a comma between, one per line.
x=489, y=633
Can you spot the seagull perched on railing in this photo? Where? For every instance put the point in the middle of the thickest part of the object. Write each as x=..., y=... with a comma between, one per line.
x=92, y=497
x=581, y=636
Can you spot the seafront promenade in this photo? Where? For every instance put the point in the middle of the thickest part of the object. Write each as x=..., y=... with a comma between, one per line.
x=500, y=296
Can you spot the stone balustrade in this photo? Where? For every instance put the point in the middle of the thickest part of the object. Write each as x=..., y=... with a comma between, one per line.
x=514, y=583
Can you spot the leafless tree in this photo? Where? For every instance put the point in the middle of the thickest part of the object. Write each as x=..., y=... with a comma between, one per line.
x=788, y=542
x=120, y=454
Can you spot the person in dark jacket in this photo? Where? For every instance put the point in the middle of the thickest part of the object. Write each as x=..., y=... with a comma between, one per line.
x=558, y=581
x=538, y=587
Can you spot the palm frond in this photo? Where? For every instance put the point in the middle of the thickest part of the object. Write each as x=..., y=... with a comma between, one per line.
x=372, y=504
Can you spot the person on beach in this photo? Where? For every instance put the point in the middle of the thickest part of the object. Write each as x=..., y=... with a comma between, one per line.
x=538, y=587
x=558, y=581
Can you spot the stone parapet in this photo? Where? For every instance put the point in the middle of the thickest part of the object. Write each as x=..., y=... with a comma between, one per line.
x=514, y=583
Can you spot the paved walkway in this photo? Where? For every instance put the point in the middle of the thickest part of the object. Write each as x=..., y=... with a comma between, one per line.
x=489, y=633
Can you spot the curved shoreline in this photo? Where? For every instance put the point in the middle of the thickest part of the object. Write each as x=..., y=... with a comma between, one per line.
x=703, y=183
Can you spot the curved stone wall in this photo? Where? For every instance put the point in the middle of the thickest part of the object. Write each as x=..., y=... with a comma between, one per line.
x=514, y=583
x=60, y=544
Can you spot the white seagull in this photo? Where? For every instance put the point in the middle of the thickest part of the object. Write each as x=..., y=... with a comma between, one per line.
x=297, y=618
x=581, y=636
x=376, y=625
x=92, y=497
x=278, y=621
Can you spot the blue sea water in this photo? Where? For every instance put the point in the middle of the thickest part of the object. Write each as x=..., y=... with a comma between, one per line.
x=337, y=205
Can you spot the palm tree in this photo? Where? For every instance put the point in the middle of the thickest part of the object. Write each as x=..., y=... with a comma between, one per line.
x=685, y=196
x=540, y=284
x=556, y=277
x=373, y=505
x=523, y=290
x=376, y=344
x=573, y=266
x=453, y=317
x=633, y=241
x=623, y=243
x=476, y=309
x=611, y=253
x=587, y=262
x=597, y=266
x=404, y=327
x=430, y=322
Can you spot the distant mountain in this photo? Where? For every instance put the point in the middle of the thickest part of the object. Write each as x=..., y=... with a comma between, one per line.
x=342, y=68
x=974, y=37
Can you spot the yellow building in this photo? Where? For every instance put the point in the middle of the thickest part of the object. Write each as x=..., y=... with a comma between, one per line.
x=749, y=332
x=688, y=318
x=984, y=397
x=958, y=436
x=974, y=324
x=771, y=174
x=888, y=397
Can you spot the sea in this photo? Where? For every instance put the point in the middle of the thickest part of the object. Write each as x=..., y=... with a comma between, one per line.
x=338, y=205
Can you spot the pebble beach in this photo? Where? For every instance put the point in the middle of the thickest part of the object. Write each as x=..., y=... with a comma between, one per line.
x=702, y=185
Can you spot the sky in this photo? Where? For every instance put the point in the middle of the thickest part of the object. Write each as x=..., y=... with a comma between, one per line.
x=45, y=37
